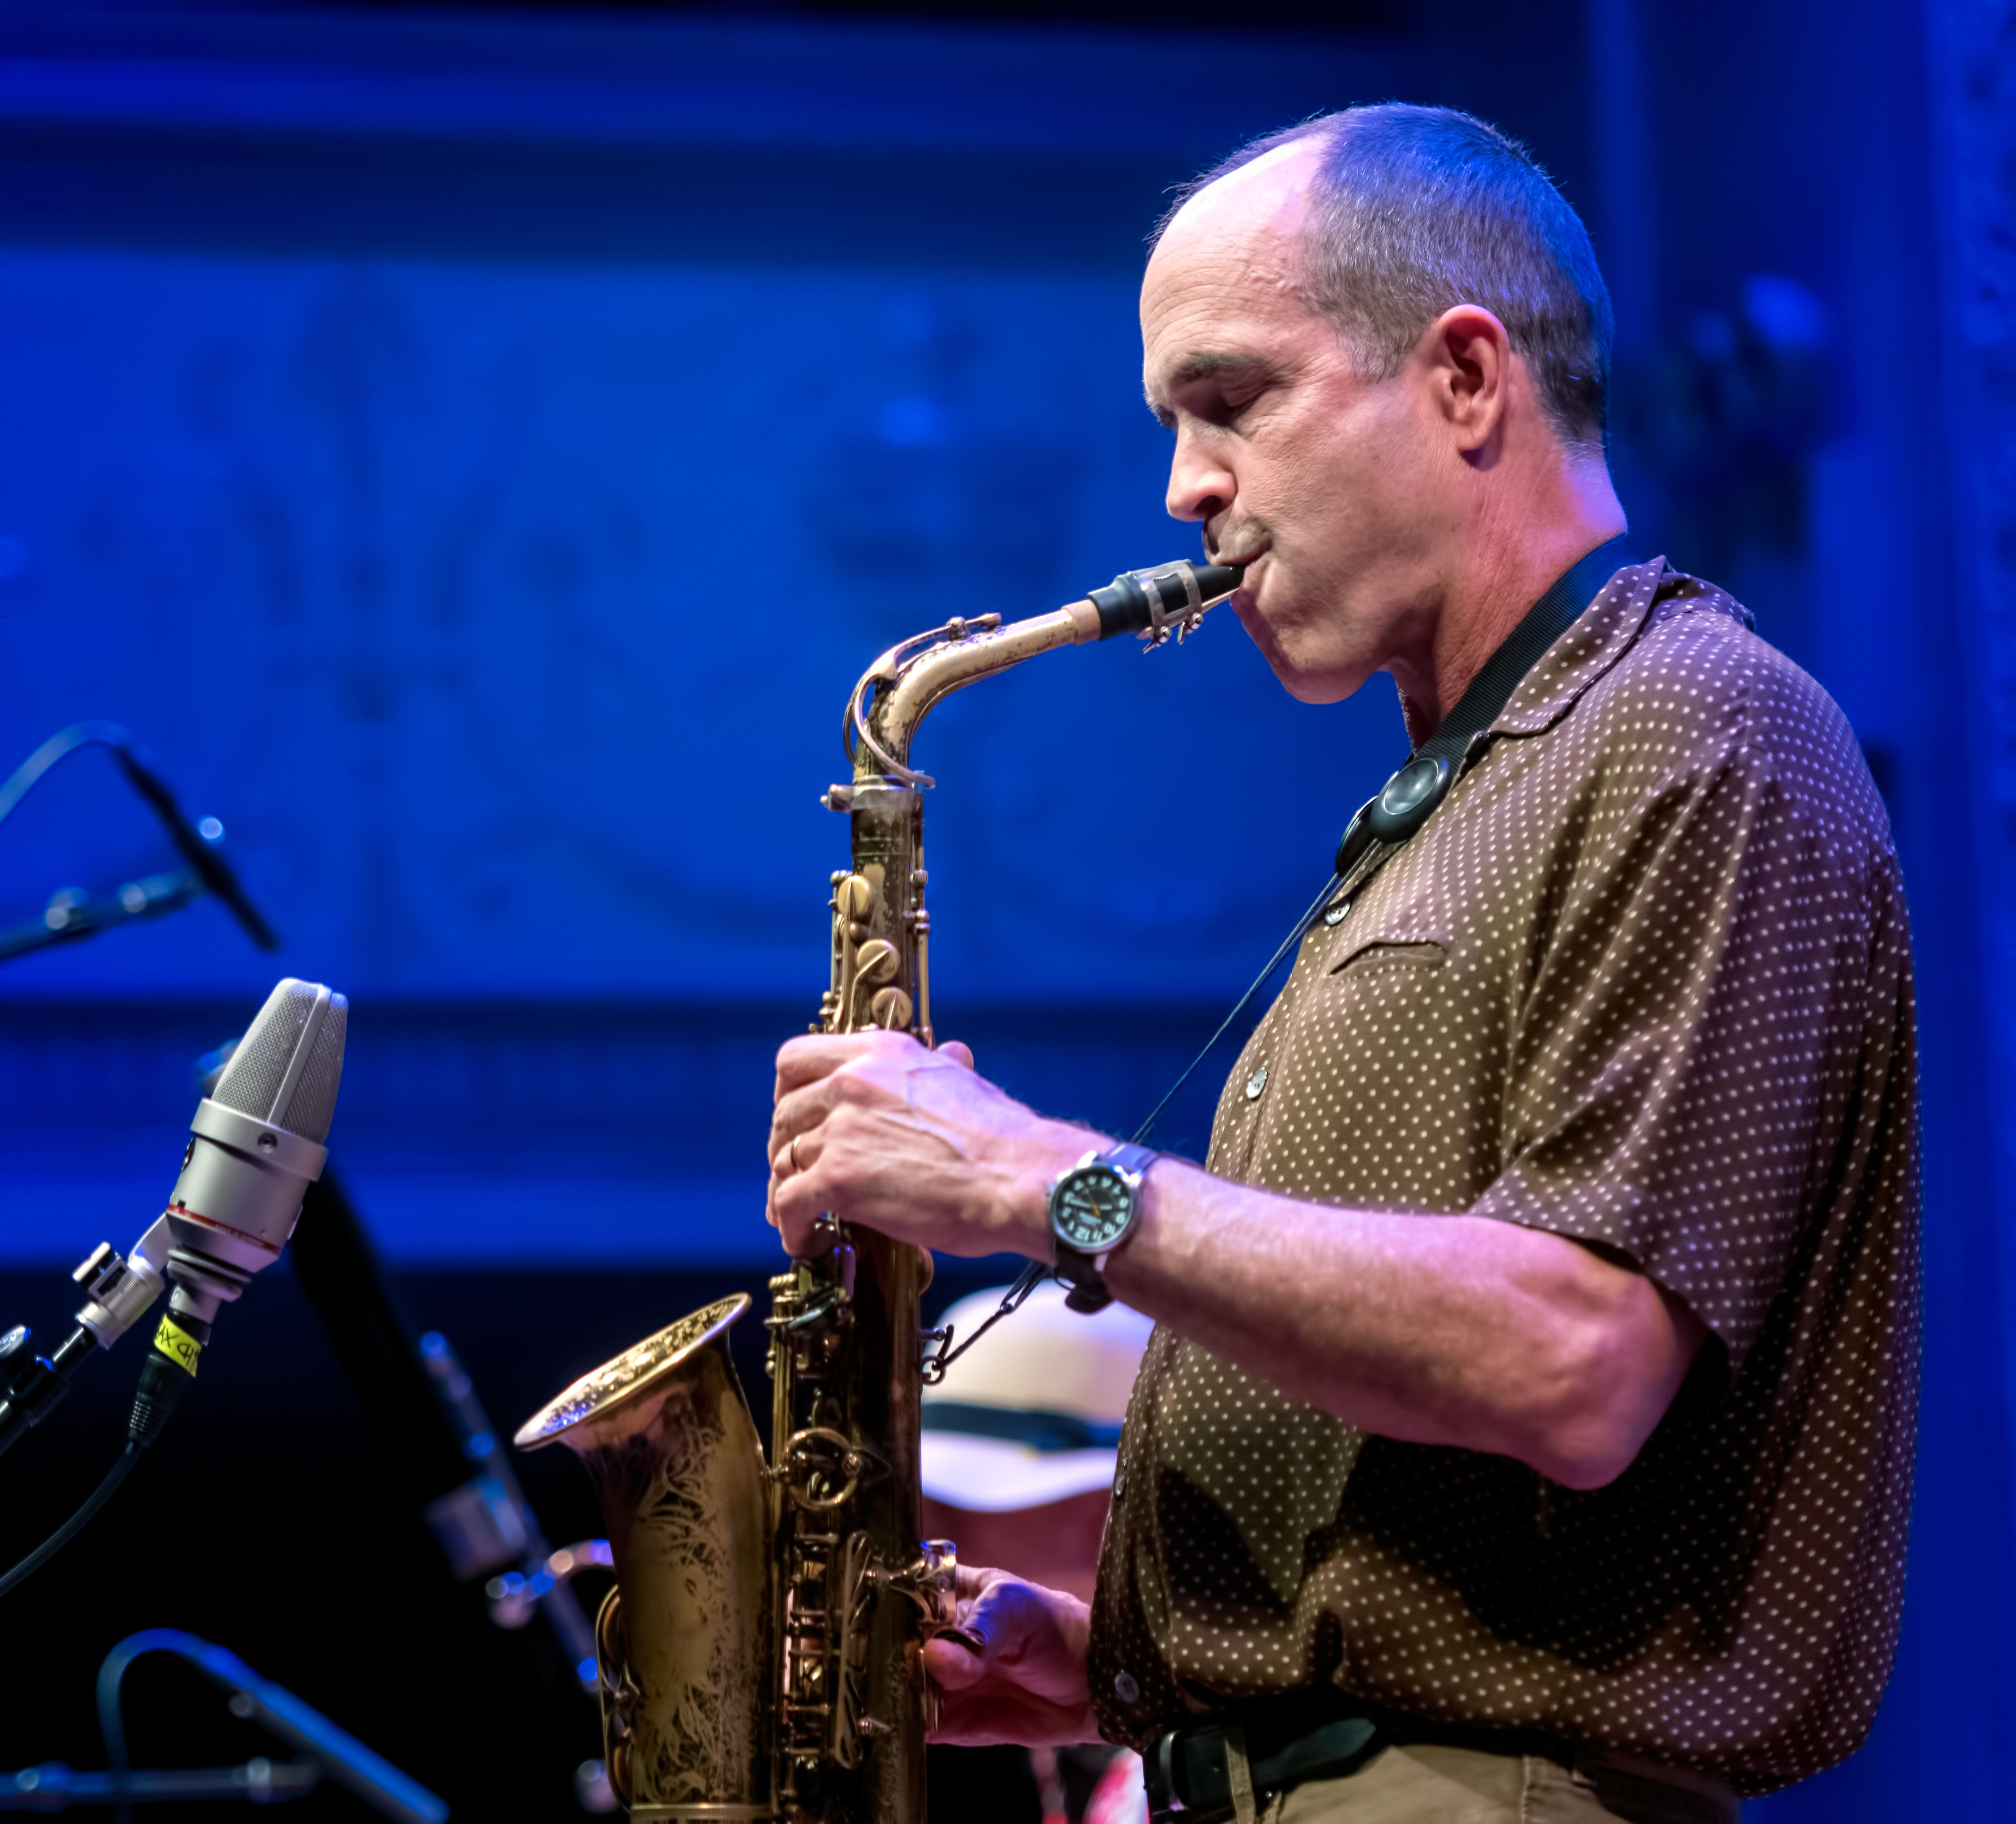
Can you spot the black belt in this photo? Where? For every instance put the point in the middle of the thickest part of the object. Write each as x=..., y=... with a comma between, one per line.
x=1189, y=1771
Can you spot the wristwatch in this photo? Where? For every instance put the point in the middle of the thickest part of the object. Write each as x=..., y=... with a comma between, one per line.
x=1093, y=1209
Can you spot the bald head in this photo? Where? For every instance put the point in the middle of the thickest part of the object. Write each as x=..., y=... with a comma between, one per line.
x=1267, y=197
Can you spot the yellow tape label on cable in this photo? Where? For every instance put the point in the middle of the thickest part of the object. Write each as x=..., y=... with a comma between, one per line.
x=177, y=1344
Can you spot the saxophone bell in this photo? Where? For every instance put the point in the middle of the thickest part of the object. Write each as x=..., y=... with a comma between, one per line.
x=666, y=1432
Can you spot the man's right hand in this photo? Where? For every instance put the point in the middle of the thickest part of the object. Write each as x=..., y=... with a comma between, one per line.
x=1023, y=1679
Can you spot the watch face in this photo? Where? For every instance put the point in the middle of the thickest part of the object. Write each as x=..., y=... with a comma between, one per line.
x=1091, y=1209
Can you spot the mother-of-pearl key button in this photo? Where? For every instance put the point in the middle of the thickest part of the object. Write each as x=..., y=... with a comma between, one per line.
x=1255, y=1084
x=1333, y=913
x=1124, y=1689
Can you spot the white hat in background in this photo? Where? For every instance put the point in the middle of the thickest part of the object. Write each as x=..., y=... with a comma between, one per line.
x=1032, y=1413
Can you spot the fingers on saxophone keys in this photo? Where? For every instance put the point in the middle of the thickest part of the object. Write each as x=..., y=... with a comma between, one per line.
x=955, y=1664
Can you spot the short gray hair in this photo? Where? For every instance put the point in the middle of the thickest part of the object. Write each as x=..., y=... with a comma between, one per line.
x=1416, y=209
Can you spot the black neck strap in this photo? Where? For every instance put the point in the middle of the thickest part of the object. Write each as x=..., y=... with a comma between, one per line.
x=1478, y=707
x=1544, y=622
x=1408, y=799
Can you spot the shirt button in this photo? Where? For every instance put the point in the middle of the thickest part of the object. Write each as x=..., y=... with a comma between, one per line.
x=1124, y=1689
x=1333, y=913
x=1255, y=1084
x=1119, y=1484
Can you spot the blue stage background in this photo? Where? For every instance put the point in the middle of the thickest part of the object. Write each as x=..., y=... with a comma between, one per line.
x=475, y=454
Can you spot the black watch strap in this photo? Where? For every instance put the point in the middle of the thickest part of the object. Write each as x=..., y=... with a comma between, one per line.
x=1088, y=1293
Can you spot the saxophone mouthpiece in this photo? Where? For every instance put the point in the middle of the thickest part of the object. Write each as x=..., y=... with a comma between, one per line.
x=1164, y=600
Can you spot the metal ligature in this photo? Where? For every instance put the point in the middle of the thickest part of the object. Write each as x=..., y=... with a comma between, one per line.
x=761, y=1657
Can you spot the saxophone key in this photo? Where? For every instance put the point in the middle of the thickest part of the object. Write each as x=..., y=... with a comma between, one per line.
x=889, y=1009
x=854, y=897
x=876, y=962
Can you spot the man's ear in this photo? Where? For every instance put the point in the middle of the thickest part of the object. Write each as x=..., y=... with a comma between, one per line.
x=1468, y=358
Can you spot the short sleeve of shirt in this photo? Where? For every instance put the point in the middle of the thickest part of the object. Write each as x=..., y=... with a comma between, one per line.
x=1702, y=992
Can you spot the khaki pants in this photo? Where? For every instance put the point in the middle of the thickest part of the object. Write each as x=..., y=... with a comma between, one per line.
x=1424, y=1784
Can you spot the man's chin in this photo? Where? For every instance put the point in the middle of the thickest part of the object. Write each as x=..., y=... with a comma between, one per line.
x=1305, y=682
x=1319, y=687
x=1308, y=683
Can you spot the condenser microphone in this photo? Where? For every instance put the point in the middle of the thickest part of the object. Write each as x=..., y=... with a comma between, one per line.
x=255, y=1146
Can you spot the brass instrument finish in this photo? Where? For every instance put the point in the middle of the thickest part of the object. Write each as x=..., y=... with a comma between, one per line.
x=761, y=1656
x=666, y=1432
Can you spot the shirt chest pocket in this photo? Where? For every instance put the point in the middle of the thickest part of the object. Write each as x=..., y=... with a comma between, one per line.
x=1388, y=990
x=1401, y=1070
x=1328, y=1093
x=1409, y=953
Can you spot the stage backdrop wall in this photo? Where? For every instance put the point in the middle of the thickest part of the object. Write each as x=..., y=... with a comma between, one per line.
x=475, y=458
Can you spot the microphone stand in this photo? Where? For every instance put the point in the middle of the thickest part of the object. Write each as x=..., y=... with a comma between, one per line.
x=72, y=914
x=56, y=1786
x=323, y=1749
x=204, y=870
x=424, y=1407
x=201, y=856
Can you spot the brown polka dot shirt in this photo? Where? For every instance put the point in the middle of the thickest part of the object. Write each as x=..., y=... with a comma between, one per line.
x=1643, y=979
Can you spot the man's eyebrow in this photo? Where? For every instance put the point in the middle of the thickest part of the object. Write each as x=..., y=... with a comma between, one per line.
x=1205, y=365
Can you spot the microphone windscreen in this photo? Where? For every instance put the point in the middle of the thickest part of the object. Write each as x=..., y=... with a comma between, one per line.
x=261, y=1080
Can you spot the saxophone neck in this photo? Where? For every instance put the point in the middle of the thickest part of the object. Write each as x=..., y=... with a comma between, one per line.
x=881, y=929
x=909, y=680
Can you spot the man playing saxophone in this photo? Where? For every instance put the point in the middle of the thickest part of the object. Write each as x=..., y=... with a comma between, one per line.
x=1528, y=1428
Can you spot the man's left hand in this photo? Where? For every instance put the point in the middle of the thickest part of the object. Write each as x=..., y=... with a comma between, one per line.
x=1014, y=1671
x=912, y=1143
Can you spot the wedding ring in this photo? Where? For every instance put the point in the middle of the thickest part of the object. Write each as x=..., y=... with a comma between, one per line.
x=793, y=1155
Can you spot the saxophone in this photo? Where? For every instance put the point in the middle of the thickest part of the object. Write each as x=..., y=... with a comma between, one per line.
x=760, y=1655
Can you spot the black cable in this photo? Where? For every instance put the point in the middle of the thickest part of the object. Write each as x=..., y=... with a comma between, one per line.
x=1037, y=1272
x=1274, y=962
x=111, y=1716
x=112, y=1721
x=59, y=746
x=77, y=1521
x=163, y=1382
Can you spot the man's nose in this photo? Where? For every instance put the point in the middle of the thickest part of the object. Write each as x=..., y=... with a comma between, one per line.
x=1200, y=485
